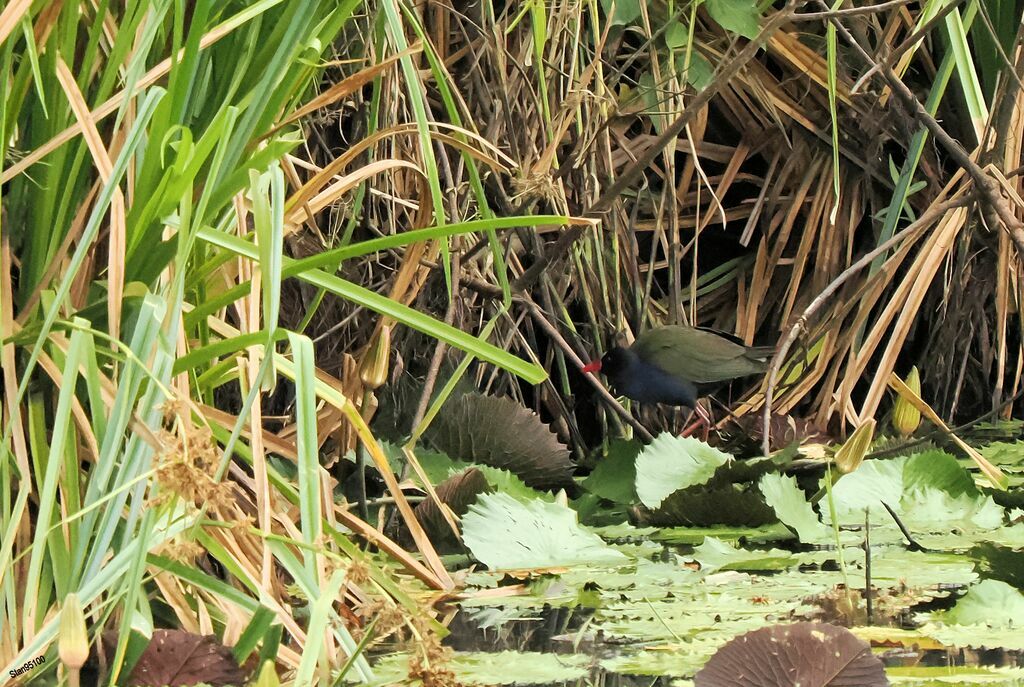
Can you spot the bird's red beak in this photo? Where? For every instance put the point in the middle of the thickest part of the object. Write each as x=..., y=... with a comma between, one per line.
x=592, y=366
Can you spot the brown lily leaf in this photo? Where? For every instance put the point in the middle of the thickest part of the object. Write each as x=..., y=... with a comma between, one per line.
x=176, y=658
x=457, y=492
x=806, y=654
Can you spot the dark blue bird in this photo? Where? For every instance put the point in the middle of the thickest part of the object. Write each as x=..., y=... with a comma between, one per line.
x=670, y=364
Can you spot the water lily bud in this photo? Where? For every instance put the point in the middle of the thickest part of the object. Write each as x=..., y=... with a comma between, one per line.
x=72, y=640
x=851, y=454
x=374, y=369
x=268, y=676
x=905, y=416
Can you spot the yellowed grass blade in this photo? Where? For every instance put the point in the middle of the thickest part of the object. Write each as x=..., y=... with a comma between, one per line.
x=11, y=17
x=118, y=241
x=363, y=529
x=345, y=86
x=12, y=411
x=335, y=191
x=906, y=305
x=114, y=102
x=788, y=46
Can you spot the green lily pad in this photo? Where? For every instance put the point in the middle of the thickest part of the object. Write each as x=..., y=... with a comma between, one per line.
x=791, y=507
x=715, y=554
x=943, y=676
x=989, y=602
x=695, y=535
x=675, y=659
x=503, y=532
x=670, y=463
x=989, y=615
x=492, y=668
x=614, y=476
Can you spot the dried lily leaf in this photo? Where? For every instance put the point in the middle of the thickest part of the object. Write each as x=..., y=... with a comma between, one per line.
x=457, y=492
x=497, y=431
x=176, y=658
x=808, y=654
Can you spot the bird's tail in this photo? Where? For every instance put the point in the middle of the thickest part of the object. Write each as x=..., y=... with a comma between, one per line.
x=760, y=354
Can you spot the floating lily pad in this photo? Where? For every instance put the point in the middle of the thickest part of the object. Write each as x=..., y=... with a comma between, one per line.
x=934, y=497
x=676, y=659
x=999, y=563
x=940, y=676
x=715, y=554
x=503, y=532
x=694, y=535
x=977, y=636
x=493, y=668
x=896, y=566
x=670, y=463
x=990, y=602
x=929, y=490
x=989, y=615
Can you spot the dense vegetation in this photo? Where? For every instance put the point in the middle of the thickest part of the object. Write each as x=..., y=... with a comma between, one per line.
x=294, y=299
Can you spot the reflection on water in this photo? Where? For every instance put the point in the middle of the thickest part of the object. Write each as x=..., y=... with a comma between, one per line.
x=548, y=630
x=569, y=631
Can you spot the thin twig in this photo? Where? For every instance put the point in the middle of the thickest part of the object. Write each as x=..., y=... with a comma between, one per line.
x=908, y=43
x=912, y=544
x=867, y=566
x=542, y=321
x=851, y=11
x=439, y=348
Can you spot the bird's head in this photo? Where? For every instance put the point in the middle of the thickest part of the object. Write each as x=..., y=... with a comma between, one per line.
x=611, y=363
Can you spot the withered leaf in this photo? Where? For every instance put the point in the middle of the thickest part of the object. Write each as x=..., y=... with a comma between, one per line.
x=805, y=654
x=175, y=658
x=457, y=492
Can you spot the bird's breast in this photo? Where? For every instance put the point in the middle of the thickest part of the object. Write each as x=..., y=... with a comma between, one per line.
x=652, y=385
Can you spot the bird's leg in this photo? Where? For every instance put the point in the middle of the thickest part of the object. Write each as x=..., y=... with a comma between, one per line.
x=703, y=420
